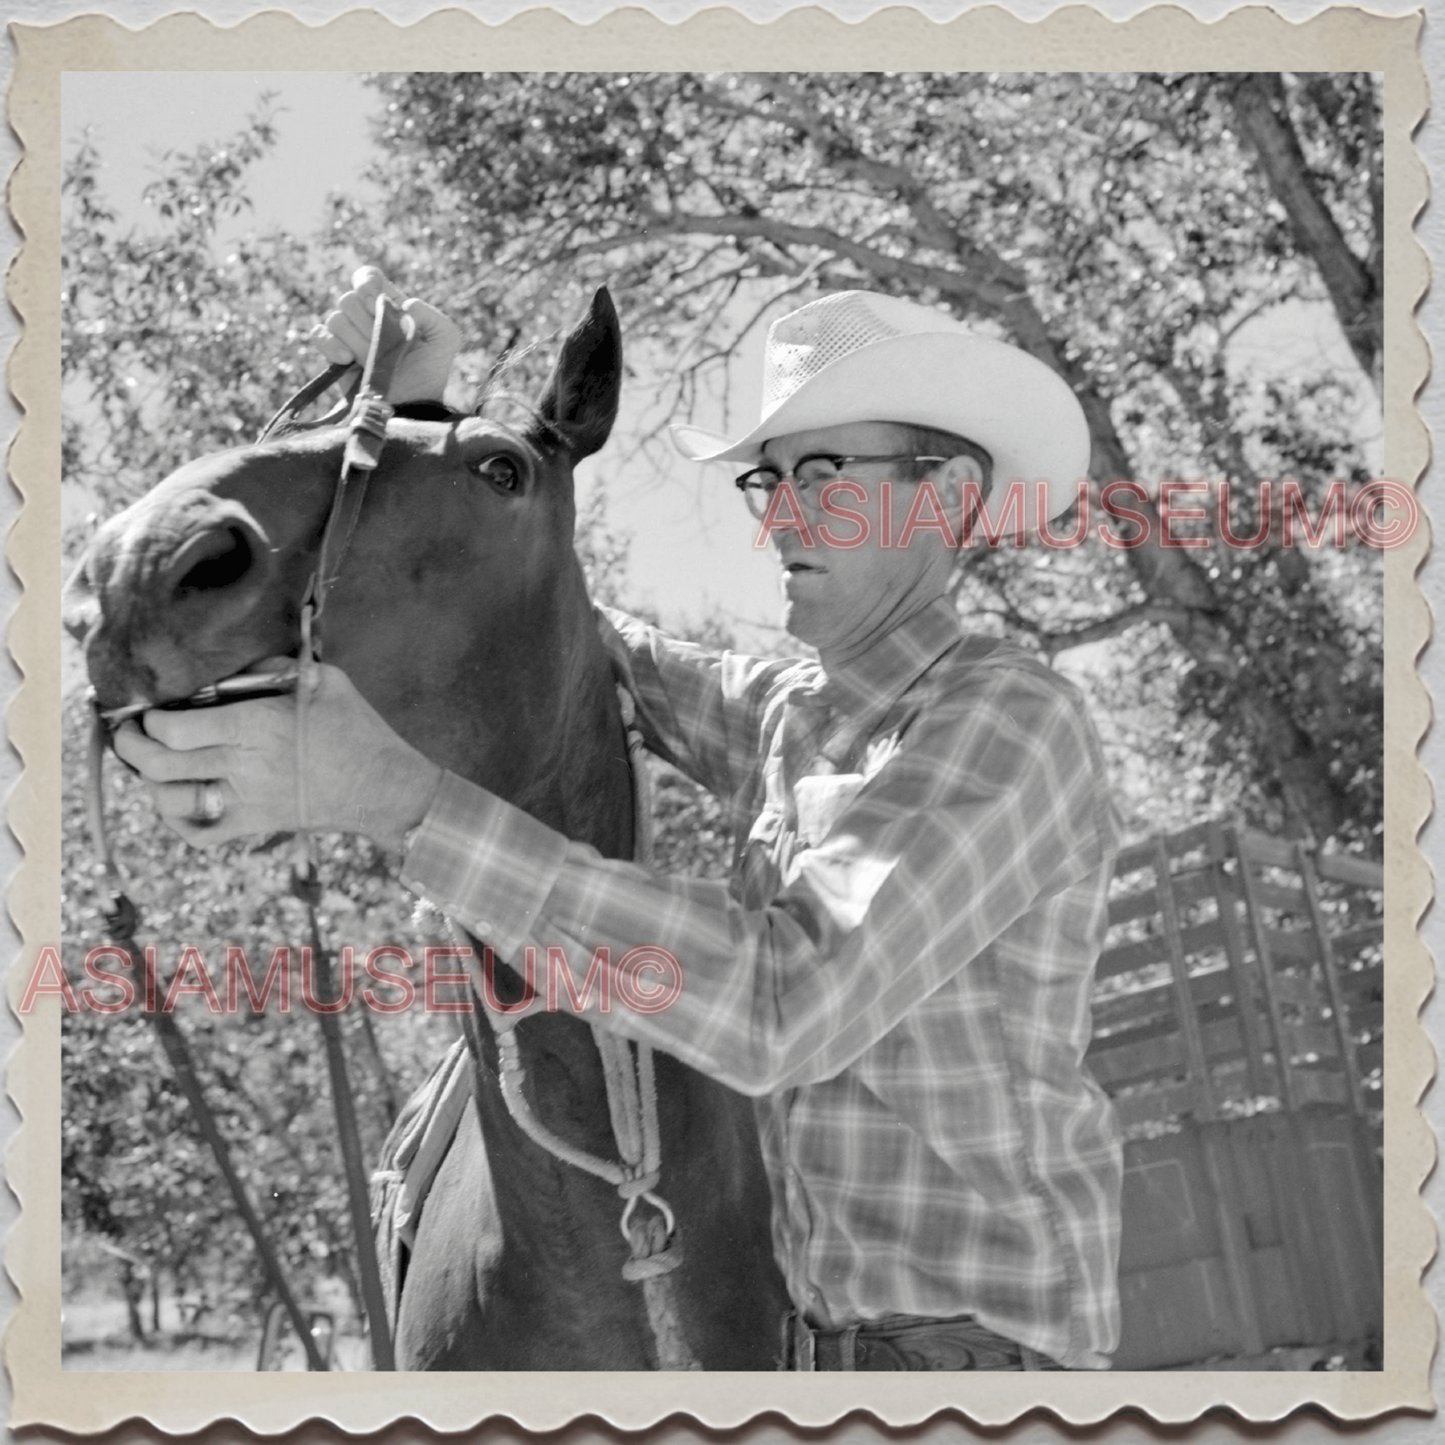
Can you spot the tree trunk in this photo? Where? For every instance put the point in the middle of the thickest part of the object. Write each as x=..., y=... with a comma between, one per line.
x=1356, y=289
x=132, y=1289
x=1194, y=613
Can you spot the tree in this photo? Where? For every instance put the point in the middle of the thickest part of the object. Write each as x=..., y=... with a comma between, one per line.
x=169, y=351
x=1114, y=226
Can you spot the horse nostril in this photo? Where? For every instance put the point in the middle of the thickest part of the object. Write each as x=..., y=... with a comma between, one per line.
x=218, y=559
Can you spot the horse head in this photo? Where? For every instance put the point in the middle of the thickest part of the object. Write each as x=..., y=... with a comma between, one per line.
x=458, y=610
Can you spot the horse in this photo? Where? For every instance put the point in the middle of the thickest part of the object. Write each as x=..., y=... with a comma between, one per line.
x=461, y=613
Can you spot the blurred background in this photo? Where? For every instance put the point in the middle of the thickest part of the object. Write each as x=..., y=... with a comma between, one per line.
x=1199, y=255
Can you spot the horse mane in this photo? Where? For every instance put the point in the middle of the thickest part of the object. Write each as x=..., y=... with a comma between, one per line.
x=538, y=426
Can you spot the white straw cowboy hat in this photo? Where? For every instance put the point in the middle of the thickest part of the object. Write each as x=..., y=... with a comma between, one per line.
x=858, y=356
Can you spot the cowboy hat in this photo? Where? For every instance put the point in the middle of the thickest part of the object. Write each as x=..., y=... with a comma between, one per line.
x=859, y=356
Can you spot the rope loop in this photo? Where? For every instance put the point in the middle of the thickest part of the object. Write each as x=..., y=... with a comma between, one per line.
x=665, y=1217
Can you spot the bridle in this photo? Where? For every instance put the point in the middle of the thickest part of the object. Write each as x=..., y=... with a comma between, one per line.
x=655, y=1250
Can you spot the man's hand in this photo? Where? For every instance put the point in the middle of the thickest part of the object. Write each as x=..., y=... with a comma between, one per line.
x=359, y=775
x=345, y=336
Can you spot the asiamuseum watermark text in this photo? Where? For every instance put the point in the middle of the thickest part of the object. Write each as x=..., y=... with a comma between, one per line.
x=1379, y=514
x=644, y=980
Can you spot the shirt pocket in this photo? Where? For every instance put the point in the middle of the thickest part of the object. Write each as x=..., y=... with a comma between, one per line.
x=821, y=801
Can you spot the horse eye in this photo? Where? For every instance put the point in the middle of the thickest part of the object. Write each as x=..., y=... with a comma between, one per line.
x=501, y=471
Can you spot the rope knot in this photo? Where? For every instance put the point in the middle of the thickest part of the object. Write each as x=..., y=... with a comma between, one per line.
x=656, y=1246
x=640, y=1184
x=653, y=1266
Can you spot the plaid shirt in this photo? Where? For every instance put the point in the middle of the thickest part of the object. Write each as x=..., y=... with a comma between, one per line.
x=900, y=970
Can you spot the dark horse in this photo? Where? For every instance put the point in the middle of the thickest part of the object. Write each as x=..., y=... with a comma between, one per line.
x=462, y=616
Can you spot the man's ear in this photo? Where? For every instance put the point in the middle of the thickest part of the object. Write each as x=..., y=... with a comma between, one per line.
x=951, y=481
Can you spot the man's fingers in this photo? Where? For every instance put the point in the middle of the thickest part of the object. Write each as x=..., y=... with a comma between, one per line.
x=158, y=762
x=348, y=330
x=190, y=731
x=186, y=801
x=432, y=326
x=368, y=282
x=335, y=351
x=168, y=766
x=345, y=336
x=137, y=750
x=345, y=333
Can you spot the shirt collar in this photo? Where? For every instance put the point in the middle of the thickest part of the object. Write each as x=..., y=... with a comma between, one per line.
x=872, y=682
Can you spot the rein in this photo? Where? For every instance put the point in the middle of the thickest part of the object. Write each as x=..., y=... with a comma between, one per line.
x=391, y=334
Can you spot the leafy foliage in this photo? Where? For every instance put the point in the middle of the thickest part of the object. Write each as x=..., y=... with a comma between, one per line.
x=168, y=352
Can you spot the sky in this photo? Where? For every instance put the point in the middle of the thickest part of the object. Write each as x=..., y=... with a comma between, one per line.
x=692, y=550
x=134, y=118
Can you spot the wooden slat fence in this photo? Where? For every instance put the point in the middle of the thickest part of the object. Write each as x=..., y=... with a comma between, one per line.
x=1238, y=1028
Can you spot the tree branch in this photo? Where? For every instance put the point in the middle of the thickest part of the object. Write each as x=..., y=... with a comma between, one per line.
x=1262, y=114
x=1175, y=618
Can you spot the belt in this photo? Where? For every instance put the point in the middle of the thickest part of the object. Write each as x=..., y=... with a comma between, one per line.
x=905, y=1342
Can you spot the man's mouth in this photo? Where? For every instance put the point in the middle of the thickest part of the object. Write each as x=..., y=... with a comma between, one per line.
x=796, y=566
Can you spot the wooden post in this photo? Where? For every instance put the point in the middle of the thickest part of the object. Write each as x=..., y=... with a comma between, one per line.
x=1266, y=975
x=1226, y=895
x=1206, y=1107
x=1348, y=1061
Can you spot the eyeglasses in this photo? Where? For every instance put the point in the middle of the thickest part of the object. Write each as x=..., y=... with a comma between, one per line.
x=758, y=485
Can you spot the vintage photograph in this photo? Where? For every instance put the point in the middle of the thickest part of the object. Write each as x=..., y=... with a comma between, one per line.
x=723, y=720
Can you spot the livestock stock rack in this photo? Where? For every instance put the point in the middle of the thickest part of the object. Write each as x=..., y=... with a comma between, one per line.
x=1238, y=1028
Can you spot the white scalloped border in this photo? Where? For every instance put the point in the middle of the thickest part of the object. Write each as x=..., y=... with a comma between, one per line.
x=1073, y=37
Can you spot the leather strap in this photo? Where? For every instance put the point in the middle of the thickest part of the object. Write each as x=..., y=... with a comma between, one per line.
x=391, y=334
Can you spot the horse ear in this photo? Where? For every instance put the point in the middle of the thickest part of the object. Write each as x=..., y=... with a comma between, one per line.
x=580, y=399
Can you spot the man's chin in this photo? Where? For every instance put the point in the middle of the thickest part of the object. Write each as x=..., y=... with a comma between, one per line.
x=801, y=622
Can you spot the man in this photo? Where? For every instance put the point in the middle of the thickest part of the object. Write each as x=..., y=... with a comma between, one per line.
x=900, y=970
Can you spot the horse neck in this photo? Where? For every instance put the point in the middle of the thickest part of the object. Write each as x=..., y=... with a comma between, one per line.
x=566, y=751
